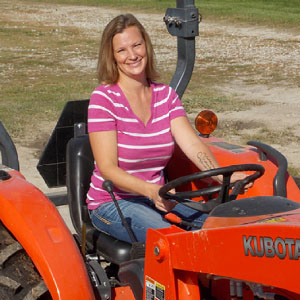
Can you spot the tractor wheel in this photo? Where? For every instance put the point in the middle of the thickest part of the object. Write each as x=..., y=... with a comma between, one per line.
x=19, y=279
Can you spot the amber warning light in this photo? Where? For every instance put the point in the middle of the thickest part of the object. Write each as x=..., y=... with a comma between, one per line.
x=206, y=122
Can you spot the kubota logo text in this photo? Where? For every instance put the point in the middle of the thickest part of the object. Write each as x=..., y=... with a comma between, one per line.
x=268, y=247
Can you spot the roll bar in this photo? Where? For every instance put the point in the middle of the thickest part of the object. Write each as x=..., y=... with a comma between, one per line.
x=183, y=22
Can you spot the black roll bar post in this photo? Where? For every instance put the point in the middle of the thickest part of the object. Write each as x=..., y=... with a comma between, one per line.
x=183, y=22
x=8, y=150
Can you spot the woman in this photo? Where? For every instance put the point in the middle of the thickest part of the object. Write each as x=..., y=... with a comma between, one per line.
x=133, y=124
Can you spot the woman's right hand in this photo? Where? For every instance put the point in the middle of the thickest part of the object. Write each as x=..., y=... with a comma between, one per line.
x=159, y=202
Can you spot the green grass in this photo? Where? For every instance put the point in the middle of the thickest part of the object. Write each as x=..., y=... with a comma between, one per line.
x=26, y=109
x=244, y=131
x=217, y=103
x=37, y=78
x=279, y=137
x=255, y=11
x=295, y=172
x=270, y=12
x=253, y=130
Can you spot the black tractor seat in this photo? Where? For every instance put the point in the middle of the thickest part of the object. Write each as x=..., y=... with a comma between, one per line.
x=79, y=168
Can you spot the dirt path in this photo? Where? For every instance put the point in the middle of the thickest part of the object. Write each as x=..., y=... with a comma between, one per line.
x=221, y=46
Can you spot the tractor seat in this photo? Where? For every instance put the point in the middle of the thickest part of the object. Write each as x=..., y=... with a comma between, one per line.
x=79, y=168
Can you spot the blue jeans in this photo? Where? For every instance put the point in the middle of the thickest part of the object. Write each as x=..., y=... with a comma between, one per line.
x=140, y=214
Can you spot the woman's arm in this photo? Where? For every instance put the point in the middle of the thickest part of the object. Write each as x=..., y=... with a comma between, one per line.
x=189, y=142
x=197, y=151
x=104, y=147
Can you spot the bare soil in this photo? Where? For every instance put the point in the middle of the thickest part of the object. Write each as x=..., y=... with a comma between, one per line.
x=269, y=60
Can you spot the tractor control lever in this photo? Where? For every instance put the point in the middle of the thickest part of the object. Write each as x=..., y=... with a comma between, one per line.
x=138, y=248
x=108, y=186
x=177, y=220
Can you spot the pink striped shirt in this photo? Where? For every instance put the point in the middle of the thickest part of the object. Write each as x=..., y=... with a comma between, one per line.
x=143, y=150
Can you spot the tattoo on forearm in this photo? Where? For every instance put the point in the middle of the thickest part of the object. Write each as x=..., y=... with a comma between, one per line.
x=205, y=161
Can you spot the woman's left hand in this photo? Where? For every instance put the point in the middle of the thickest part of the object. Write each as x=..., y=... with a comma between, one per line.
x=240, y=176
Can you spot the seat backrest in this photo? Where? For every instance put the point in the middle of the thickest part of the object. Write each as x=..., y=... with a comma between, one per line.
x=79, y=169
x=80, y=166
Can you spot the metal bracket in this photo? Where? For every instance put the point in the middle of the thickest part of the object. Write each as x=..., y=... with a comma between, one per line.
x=79, y=129
x=182, y=22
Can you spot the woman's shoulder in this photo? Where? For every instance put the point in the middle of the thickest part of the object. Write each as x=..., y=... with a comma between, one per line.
x=162, y=89
x=108, y=92
x=107, y=89
x=158, y=86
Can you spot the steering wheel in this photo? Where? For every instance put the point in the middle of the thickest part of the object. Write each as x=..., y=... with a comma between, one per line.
x=223, y=190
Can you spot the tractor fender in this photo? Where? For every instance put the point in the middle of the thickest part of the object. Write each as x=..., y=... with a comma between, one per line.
x=37, y=225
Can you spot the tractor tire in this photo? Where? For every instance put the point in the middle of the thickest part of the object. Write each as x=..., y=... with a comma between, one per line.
x=19, y=279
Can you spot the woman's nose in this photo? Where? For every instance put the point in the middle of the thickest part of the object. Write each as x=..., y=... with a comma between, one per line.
x=131, y=54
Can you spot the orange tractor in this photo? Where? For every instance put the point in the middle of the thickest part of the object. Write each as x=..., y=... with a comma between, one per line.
x=248, y=248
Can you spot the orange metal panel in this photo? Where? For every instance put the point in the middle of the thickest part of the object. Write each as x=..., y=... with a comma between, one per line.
x=160, y=275
x=122, y=293
x=233, y=252
x=38, y=226
x=237, y=252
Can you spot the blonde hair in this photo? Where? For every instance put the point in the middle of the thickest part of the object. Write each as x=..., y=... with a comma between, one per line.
x=107, y=67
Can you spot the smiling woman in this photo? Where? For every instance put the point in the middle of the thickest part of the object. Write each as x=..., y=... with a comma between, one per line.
x=133, y=124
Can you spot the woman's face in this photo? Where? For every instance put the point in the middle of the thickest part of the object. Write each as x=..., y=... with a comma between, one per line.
x=130, y=53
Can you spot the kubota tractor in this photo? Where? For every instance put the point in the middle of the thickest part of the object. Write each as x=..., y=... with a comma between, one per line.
x=248, y=248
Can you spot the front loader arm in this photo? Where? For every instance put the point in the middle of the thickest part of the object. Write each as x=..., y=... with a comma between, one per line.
x=34, y=221
x=266, y=253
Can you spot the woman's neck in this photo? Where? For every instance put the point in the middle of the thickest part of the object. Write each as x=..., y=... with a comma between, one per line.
x=130, y=83
x=139, y=96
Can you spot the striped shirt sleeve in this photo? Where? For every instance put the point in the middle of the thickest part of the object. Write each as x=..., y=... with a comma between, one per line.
x=101, y=115
x=176, y=108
